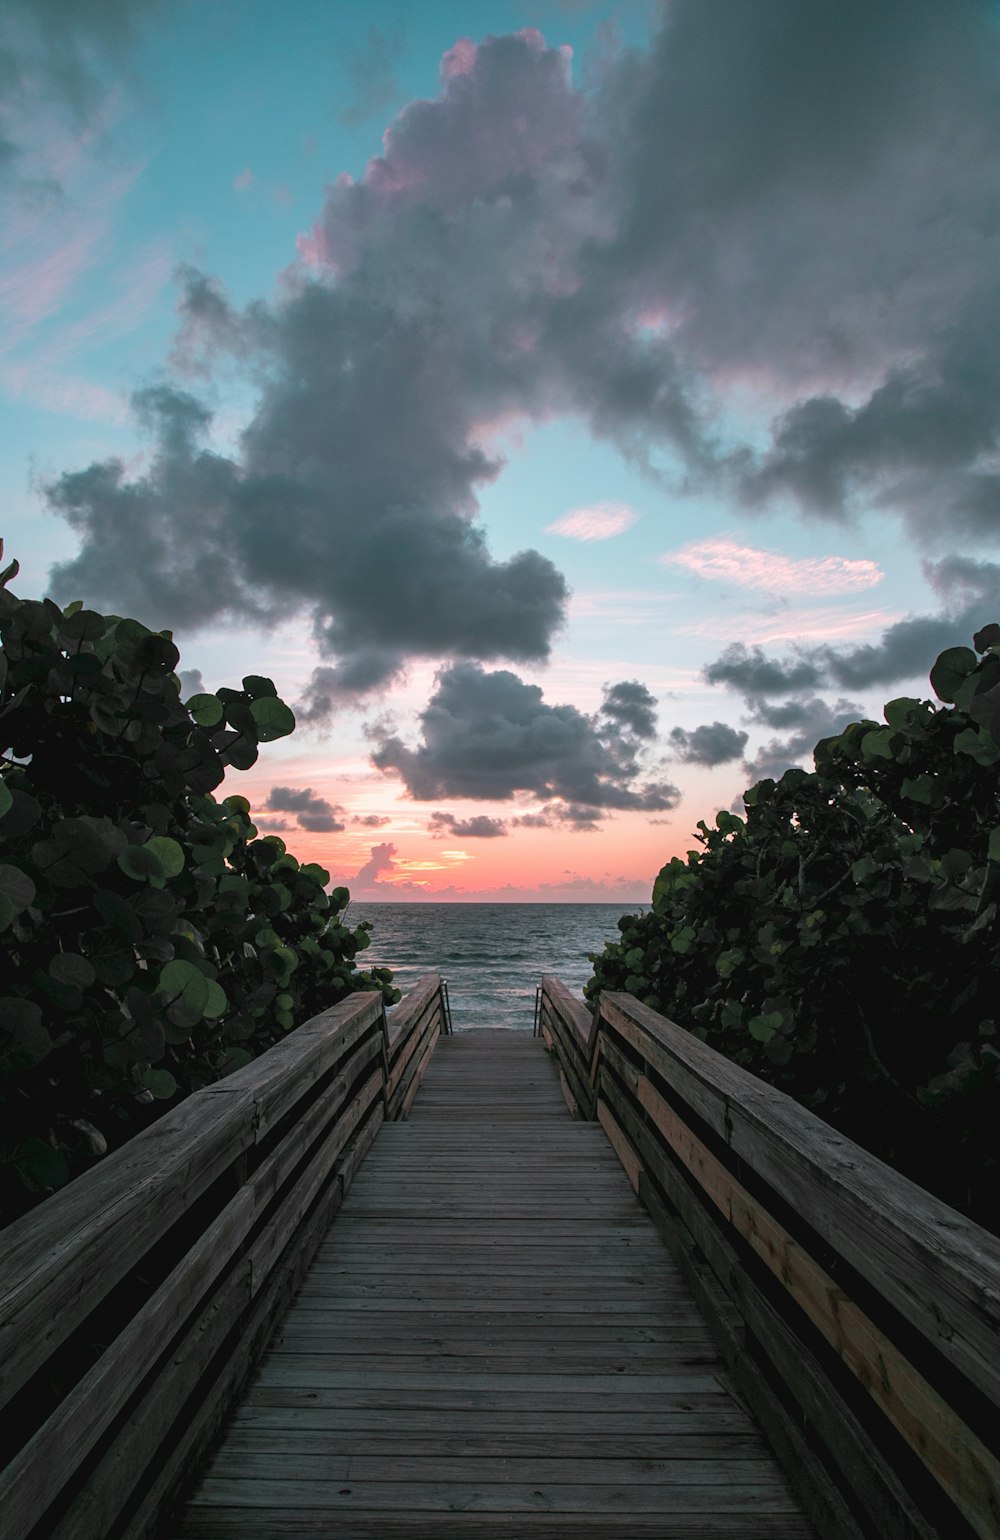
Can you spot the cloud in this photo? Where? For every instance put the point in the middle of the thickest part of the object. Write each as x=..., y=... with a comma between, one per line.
x=814, y=719
x=488, y=736
x=798, y=199
x=381, y=877
x=371, y=821
x=312, y=812
x=60, y=61
x=369, y=67
x=749, y=670
x=725, y=560
x=629, y=704
x=480, y=827
x=244, y=180
x=192, y=682
x=715, y=743
x=598, y=522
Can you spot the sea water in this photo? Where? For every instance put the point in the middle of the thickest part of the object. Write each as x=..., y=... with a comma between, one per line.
x=492, y=955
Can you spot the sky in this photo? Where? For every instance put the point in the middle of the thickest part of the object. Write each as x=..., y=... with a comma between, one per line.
x=578, y=409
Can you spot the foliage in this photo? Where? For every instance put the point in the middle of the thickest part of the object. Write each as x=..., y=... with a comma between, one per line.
x=842, y=941
x=150, y=942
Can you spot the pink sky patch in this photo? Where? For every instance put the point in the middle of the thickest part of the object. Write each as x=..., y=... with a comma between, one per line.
x=724, y=560
x=244, y=180
x=598, y=522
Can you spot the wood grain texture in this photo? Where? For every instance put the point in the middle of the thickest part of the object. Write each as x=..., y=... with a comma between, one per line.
x=938, y=1269
x=492, y=1328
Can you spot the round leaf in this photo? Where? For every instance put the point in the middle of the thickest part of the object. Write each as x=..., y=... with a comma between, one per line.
x=206, y=710
x=950, y=670
x=39, y=1166
x=168, y=852
x=70, y=968
x=216, y=1002
x=187, y=989
x=272, y=718
x=143, y=864
x=161, y=1083
x=16, y=886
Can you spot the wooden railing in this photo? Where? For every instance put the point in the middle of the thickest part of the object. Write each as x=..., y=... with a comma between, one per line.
x=859, y=1315
x=134, y=1304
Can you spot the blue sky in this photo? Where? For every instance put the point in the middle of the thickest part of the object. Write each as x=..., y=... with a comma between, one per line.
x=689, y=303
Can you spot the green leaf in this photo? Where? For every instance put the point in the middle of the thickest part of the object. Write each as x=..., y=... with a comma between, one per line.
x=143, y=865
x=897, y=712
x=258, y=686
x=216, y=1002
x=187, y=989
x=765, y=1026
x=39, y=1166
x=236, y=1058
x=161, y=1082
x=919, y=788
x=272, y=718
x=6, y=800
x=876, y=745
x=951, y=668
x=207, y=710
x=993, y=851
x=168, y=852
x=979, y=745
x=70, y=968
x=16, y=887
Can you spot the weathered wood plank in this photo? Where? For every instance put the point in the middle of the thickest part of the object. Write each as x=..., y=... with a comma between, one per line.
x=938, y=1269
x=959, y=1461
x=746, y=1317
x=505, y=1496
x=69, y=1435
x=63, y=1258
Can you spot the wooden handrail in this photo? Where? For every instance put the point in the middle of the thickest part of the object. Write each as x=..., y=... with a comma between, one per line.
x=860, y=1315
x=134, y=1303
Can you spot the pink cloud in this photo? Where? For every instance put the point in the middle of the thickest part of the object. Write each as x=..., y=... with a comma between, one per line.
x=598, y=522
x=727, y=561
x=244, y=180
x=459, y=60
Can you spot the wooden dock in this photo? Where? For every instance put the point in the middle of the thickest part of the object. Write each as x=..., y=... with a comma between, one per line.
x=492, y=1340
x=387, y=1281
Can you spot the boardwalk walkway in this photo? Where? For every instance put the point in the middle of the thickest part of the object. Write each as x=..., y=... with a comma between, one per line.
x=492, y=1341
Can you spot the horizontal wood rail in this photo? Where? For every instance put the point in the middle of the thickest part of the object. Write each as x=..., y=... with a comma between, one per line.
x=859, y=1315
x=134, y=1304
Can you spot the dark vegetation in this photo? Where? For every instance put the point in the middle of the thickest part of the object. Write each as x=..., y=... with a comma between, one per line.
x=842, y=941
x=149, y=941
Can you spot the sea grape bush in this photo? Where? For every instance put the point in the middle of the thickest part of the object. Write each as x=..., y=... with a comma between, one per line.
x=149, y=941
x=842, y=942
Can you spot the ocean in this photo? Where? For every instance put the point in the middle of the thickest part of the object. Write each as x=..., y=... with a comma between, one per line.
x=492, y=955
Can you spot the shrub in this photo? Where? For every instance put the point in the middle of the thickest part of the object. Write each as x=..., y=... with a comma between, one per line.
x=149, y=941
x=842, y=941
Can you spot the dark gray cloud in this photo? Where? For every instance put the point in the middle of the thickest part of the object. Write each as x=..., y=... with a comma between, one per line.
x=370, y=71
x=480, y=827
x=313, y=812
x=813, y=718
x=489, y=736
x=749, y=670
x=632, y=707
x=372, y=821
x=714, y=743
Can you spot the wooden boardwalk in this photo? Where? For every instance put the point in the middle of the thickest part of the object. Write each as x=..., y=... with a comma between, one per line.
x=492, y=1341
